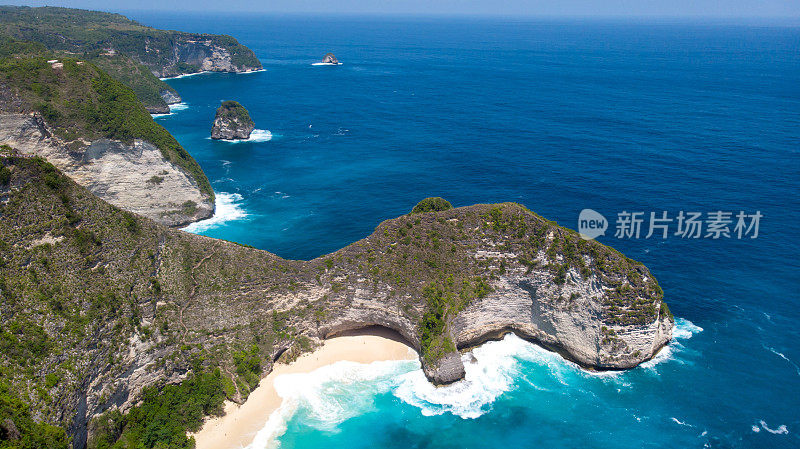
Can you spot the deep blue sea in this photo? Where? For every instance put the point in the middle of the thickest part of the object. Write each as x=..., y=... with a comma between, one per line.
x=559, y=115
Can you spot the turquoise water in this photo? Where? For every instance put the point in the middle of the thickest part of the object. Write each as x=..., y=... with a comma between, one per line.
x=557, y=115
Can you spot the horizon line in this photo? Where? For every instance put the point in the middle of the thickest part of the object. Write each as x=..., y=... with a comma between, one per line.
x=456, y=15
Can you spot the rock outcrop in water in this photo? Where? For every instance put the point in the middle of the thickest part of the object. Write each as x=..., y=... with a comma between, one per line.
x=154, y=303
x=232, y=121
x=329, y=58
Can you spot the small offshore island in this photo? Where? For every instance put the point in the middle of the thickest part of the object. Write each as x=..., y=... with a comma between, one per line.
x=232, y=122
x=328, y=59
x=121, y=331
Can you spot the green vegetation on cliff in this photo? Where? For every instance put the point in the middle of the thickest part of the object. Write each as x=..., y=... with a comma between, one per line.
x=127, y=50
x=90, y=294
x=86, y=32
x=432, y=204
x=140, y=79
x=76, y=284
x=164, y=416
x=81, y=102
x=18, y=430
x=232, y=110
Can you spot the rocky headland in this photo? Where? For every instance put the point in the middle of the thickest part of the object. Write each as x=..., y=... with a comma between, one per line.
x=108, y=315
x=147, y=304
x=232, y=122
x=132, y=53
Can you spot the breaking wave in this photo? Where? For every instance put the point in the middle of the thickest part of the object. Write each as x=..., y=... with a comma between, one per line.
x=330, y=395
x=227, y=207
x=172, y=109
x=185, y=75
x=258, y=135
x=780, y=430
x=684, y=330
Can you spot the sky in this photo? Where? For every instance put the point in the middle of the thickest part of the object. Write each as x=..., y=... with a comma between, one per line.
x=601, y=8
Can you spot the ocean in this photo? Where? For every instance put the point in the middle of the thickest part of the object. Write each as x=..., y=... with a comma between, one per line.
x=658, y=116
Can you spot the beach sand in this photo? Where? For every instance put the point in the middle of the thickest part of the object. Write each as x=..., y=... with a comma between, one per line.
x=239, y=425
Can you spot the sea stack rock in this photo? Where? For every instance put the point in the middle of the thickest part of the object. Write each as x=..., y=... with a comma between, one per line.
x=329, y=58
x=446, y=370
x=232, y=122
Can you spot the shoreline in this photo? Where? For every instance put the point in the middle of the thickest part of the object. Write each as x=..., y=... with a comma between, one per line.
x=239, y=425
x=186, y=75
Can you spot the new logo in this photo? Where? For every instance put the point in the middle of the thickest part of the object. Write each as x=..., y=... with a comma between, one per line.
x=591, y=224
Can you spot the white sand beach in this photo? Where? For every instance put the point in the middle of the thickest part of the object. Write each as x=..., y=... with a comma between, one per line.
x=238, y=427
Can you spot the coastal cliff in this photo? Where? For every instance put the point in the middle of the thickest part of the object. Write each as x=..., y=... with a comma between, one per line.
x=122, y=304
x=109, y=144
x=134, y=176
x=133, y=54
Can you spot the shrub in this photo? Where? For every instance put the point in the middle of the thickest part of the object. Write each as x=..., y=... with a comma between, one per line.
x=432, y=204
x=164, y=415
x=5, y=176
x=18, y=430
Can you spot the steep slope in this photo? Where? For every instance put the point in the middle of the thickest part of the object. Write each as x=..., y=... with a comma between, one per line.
x=98, y=304
x=93, y=128
x=130, y=52
x=166, y=53
x=155, y=95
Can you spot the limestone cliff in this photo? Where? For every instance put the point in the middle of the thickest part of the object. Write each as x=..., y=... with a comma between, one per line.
x=232, y=121
x=121, y=303
x=202, y=53
x=135, y=177
x=165, y=53
x=110, y=144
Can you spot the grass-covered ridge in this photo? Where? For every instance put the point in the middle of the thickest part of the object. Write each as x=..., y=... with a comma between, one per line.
x=140, y=79
x=76, y=283
x=81, y=102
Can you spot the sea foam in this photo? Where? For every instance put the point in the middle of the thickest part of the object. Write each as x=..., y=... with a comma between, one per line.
x=490, y=371
x=258, y=135
x=172, y=109
x=227, y=207
x=684, y=330
x=185, y=75
x=328, y=396
x=780, y=430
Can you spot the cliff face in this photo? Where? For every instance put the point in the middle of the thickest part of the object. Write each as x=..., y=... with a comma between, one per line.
x=135, y=177
x=329, y=58
x=124, y=47
x=197, y=53
x=110, y=144
x=232, y=121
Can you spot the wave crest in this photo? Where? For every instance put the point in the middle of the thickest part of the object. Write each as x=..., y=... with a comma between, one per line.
x=258, y=135
x=227, y=207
